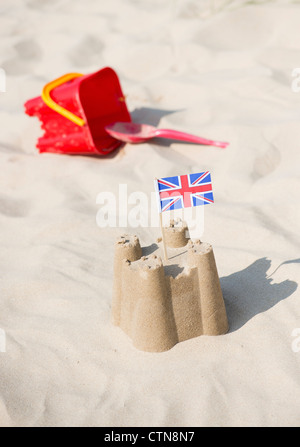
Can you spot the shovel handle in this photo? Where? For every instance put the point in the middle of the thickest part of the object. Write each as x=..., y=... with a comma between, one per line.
x=177, y=135
x=53, y=105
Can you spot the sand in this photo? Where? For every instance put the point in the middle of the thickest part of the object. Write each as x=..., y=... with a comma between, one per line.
x=222, y=73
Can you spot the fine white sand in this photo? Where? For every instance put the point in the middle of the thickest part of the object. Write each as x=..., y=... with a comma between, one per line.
x=219, y=69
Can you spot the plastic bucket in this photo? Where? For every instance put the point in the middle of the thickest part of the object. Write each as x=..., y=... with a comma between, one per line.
x=74, y=110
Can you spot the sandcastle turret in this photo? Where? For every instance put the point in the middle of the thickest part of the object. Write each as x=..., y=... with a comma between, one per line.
x=160, y=303
x=176, y=234
x=146, y=309
x=213, y=312
x=127, y=247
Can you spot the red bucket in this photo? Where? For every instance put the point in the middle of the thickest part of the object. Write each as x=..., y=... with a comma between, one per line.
x=74, y=110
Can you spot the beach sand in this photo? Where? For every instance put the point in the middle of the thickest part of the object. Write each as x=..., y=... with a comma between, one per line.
x=223, y=73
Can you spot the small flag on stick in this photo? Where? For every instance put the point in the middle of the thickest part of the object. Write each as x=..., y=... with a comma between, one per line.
x=182, y=191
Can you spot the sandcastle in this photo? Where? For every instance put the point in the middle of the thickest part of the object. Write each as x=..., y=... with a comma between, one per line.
x=159, y=303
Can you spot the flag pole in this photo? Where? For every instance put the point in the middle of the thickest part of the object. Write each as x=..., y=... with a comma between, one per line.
x=161, y=223
x=163, y=237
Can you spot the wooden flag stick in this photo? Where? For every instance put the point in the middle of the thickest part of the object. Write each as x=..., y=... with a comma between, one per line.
x=160, y=221
x=163, y=237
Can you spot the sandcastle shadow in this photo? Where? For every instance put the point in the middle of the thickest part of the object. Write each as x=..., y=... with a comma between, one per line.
x=149, y=249
x=173, y=270
x=250, y=292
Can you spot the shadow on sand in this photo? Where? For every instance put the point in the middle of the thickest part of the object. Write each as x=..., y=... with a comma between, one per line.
x=250, y=292
x=247, y=292
x=149, y=115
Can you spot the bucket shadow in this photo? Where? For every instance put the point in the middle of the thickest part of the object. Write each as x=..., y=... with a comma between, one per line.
x=250, y=292
x=151, y=116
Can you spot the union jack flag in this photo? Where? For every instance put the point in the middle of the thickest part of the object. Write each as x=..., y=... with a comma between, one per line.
x=184, y=191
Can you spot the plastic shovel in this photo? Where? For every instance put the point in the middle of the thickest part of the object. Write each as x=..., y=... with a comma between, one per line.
x=129, y=132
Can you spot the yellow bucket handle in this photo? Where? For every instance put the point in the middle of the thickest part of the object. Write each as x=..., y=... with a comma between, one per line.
x=53, y=105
